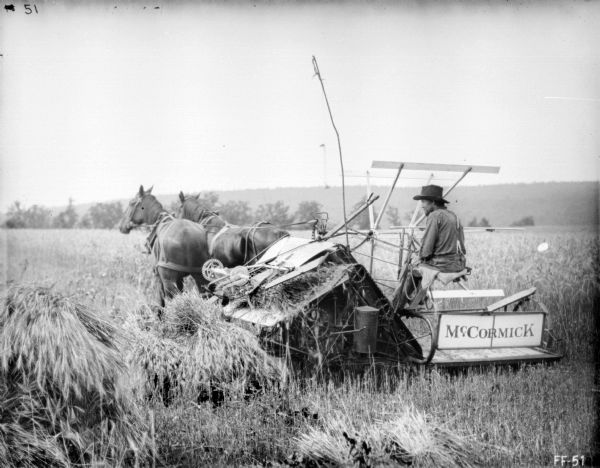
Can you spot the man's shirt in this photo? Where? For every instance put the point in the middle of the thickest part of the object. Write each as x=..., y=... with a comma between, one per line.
x=443, y=244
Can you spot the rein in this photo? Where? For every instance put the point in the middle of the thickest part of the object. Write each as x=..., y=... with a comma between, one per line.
x=300, y=223
x=252, y=232
x=271, y=225
x=204, y=221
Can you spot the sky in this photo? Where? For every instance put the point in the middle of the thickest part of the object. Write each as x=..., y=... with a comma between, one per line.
x=96, y=100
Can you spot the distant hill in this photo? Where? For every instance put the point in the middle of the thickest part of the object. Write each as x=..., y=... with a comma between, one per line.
x=550, y=203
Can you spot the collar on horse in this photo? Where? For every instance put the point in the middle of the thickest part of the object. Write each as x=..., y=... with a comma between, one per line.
x=204, y=222
x=151, y=239
x=206, y=216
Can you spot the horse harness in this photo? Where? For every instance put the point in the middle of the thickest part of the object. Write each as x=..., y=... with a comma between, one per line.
x=157, y=249
x=252, y=232
x=151, y=239
x=205, y=221
x=250, y=235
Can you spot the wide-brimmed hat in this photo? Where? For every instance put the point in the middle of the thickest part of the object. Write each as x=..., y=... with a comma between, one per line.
x=431, y=192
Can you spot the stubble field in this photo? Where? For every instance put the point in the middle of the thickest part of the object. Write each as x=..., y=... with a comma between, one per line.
x=523, y=416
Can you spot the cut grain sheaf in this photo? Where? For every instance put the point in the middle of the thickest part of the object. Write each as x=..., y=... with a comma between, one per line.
x=291, y=296
x=195, y=349
x=63, y=383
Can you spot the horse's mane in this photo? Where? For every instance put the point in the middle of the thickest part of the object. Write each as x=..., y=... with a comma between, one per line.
x=193, y=209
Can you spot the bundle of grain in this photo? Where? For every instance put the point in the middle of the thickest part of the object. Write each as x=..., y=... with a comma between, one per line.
x=161, y=360
x=193, y=349
x=219, y=350
x=288, y=295
x=63, y=383
x=410, y=439
x=187, y=313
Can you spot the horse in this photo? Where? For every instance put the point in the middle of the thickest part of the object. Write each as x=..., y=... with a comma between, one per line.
x=179, y=246
x=232, y=245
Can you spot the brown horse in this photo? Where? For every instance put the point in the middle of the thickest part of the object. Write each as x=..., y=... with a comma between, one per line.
x=179, y=246
x=232, y=245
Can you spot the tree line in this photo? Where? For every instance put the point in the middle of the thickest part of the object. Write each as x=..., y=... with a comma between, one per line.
x=98, y=216
x=107, y=215
x=396, y=218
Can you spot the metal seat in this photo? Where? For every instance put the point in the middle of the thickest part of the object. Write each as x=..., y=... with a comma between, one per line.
x=430, y=275
x=446, y=278
x=428, y=279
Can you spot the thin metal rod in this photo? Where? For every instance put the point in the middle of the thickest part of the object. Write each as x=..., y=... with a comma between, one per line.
x=378, y=259
x=385, y=279
x=401, y=252
x=354, y=215
x=371, y=214
x=371, y=225
x=387, y=198
x=365, y=235
x=389, y=244
x=464, y=174
x=318, y=73
x=372, y=252
x=358, y=233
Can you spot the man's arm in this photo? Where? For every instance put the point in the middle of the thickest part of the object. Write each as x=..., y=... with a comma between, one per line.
x=429, y=238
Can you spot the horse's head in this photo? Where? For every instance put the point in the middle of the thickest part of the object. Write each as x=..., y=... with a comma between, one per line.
x=188, y=204
x=139, y=211
x=191, y=207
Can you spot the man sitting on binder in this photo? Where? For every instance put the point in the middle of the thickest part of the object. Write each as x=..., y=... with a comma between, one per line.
x=442, y=247
x=443, y=244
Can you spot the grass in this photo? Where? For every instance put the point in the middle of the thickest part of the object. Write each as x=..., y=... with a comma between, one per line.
x=408, y=438
x=500, y=417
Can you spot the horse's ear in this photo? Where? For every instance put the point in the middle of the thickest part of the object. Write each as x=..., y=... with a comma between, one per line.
x=141, y=191
x=181, y=196
x=150, y=190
